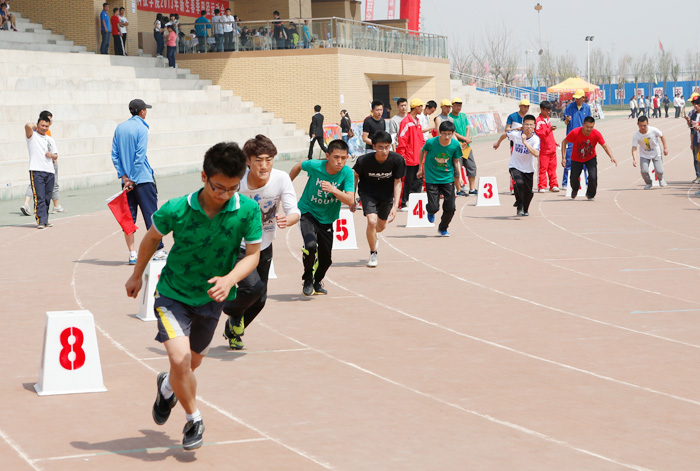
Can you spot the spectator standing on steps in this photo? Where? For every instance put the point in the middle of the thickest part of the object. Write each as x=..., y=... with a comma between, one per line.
x=116, y=34
x=158, y=34
x=123, y=23
x=105, y=29
x=316, y=132
x=217, y=22
x=172, y=45
x=129, y=148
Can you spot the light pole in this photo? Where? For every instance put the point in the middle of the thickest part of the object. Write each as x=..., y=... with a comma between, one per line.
x=589, y=39
x=538, y=9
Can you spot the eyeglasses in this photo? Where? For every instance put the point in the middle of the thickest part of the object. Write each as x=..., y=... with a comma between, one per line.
x=383, y=148
x=221, y=191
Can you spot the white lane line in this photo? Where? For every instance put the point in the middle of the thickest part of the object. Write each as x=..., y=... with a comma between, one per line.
x=489, y=418
x=145, y=450
x=19, y=451
x=667, y=310
x=126, y=351
x=659, y=269
x=562, y=311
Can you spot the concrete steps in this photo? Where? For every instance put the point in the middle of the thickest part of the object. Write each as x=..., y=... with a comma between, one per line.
x=88, y=95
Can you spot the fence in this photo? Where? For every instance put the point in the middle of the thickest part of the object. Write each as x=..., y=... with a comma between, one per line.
x=500, y=88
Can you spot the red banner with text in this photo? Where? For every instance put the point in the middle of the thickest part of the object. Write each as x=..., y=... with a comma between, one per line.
x=183, y=7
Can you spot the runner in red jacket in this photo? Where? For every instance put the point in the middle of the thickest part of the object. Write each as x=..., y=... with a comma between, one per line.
x=410, y=143
x=548, y=149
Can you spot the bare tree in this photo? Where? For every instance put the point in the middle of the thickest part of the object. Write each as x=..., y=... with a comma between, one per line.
x=638, y=66
x=461, y=59
x=566, y=66
x=597, y=65
x=693, y=65
x=499, y=49
x=607, y=73
x=664, y=62
x=546, y=69
x=649, y=75
x=623, y=67
x=675, y=72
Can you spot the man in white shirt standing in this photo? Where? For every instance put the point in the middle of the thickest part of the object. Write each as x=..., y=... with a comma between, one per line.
x=645, y=142
x=395, y=121
x=123, y=23
x=218, y=25
x=272, y=189
x=677, y=104
x=42, y=153
x=228, y=20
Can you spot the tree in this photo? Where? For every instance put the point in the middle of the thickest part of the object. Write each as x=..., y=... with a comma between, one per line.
x=499, y=49
x=566, y=66
x=546, y=70
x=664, y=62
x=597, y=65
x=638, y=67
x=623, y=67
x=608, y=71
x=461, y=59
x=693, y=66
x=675, y=72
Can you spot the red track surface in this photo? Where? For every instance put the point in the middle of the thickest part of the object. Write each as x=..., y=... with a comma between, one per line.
x=568, y=340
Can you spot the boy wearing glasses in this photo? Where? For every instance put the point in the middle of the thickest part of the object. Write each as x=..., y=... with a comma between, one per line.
x=379, y=174
x=330, y=183
x=199, y=276
x=526, y=147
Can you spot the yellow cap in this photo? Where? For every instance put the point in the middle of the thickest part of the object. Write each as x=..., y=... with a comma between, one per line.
x=525, y=102
x=579, y=93
x=446, y=102
x=693, y=96
x=456, y=100
x=416, y=102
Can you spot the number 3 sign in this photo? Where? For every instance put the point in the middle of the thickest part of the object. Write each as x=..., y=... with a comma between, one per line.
x=70, y=362
x=344, y=231
x=488, y=192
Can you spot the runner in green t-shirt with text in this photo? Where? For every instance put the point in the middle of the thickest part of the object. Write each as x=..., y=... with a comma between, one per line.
x=330, y=183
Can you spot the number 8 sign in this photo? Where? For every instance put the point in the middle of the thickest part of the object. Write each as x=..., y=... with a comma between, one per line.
x=344, y=231
x=70, y=361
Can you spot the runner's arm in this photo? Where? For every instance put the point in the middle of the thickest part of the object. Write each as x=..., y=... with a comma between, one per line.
x=147, y=248
x=634, y=155
x=29, y=130
x=294, y=172
x=345, y=197
x=421, y=159
x=663, y=142
x=564, y=143
x=244, y=267
x=353, y=206
x=609, y=152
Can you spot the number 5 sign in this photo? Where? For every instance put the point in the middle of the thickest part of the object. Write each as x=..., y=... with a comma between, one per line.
x=344, y=231
x=70, y=362
x=488, y=192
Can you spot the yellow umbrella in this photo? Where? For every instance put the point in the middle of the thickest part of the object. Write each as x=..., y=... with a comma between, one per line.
x=572, y=84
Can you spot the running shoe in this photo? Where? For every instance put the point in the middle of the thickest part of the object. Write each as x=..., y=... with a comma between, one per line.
x=194, y=432
x=24, y=209
x=319, y=289
x=132, y=259
x=41, y=226
x=372, y=260
x=160, y=255
x=58, y=209
x=431, y=217
x=543, y=190
x=554, y=189
x=663, y=182
x=573, y=194
x=162, y=406
x=473, y=192
x=233, y=334
x=444, y=233
x=462, y=193
x=647, y=186
x=308, y=289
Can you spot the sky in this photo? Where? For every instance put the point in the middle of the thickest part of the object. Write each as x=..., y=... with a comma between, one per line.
x=620, y=26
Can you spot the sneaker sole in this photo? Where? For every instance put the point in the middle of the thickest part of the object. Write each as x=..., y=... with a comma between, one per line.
x=153, y=411
x=24, y=211
x=195, y=445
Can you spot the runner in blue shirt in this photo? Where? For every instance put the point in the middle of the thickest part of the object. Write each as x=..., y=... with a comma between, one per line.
x=574, y=114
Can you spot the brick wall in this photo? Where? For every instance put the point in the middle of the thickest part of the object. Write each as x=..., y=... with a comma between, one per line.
x=290, y=83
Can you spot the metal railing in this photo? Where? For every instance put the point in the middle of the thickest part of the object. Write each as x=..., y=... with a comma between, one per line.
x=497, y=88
x=308, y=33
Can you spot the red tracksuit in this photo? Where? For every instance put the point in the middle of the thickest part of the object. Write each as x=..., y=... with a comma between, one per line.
x=548, y=153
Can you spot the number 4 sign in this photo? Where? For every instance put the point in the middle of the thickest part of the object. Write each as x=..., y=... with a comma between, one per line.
x=344, y=231
x=70, y=361
x=417, y=213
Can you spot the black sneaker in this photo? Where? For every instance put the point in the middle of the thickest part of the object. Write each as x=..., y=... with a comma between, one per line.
x=319, y=289
x=574, y=193
x=193, y=435
x=308, y=289
x=162, y=406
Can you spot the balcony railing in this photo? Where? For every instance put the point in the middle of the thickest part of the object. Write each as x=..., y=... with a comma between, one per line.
x=308, y=33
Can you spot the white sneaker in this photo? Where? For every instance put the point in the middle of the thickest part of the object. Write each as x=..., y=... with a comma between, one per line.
x=663, y=182
x=542, y=190
x=58, y=209
x=554, y=189
x=372, y=260
x=403, y=210
x=648, y=187
x=160, y=255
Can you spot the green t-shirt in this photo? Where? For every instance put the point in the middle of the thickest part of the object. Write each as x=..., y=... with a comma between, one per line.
x=203, y=247
x=461, y=123
x=322, y=205
x=439, y=160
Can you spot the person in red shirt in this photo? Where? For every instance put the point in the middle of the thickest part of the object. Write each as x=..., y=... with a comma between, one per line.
x=584, y=140
x=116, y=34
x=410, y=143
x=548, y=149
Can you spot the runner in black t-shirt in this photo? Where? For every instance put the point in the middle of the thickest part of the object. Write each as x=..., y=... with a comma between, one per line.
x=373, y=123
x=379, y=173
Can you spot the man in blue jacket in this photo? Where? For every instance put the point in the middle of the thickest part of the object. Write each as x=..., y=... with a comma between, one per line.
x=202, y=27
x=574, y=114
x=129, y=157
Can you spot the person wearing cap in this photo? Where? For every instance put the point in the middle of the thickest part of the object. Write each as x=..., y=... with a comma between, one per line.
x=574, y=114
x=463, y=135
x=584, y=140
x=693, y=120
x=129, y=157
x=410, y=143
x=548, y=149
x=445, y=108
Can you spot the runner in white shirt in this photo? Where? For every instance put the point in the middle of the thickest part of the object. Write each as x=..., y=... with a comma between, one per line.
x=42, y=153
x=645, y=142
x=526, y=147
x=268, y=187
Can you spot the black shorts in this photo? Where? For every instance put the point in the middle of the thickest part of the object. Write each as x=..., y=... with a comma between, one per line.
x=372, y=205
x=176, y=319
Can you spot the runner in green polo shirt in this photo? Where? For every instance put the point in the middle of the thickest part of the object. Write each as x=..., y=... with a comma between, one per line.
x=199, y=276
